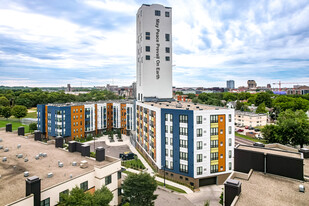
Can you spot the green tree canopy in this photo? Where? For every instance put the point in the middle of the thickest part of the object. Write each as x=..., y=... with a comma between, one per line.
x=4, y=101
x=77, y=196
x=6, y=112
x=19, y=111
x=139, y=189
x=261, y=109
x=33, y=126
x=263, y=97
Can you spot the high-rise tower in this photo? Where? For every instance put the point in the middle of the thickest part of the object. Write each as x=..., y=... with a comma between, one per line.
x=153, y=52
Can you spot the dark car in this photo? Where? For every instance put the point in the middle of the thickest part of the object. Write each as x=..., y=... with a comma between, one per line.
x=257, y=130
x=127, y=156
x=251, y=128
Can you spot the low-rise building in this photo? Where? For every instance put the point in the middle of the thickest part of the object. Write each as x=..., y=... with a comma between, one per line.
x=250, y=119
x=50, y=171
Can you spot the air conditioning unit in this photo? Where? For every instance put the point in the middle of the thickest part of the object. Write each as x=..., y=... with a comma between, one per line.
x=20, y=156
x=301, y=188
x=6, y=150
x=0, y=140
x=49, y=175
x=74, y=163
x=4, y=159
x=60, y=164
x=26, y=160
x=44, y=155
x=18, y=146
x=26, y=174
x=83, y=164
x=37, y=157
x=1, y=147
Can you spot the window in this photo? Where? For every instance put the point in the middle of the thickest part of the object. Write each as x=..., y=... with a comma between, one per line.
x=166, y=163
x=230, y=118
x=183, y=156
x=147, y=48
x=167, y=58
x=199, y=145
x=199, y=132
x=183, y=131
x=213, y=118
x=214, y=131
x=157, y=13
x=171, y=129
x=183, y=168
x=171, y=141
x=213, y=143
x=199, y=120
x=166, y=152
x=166, y=140
x=199, y=170
x=167, y=50
x=81, y=110
x=171, y=117
x=199, y=158
x=230, y=165
x=183, y=143
x=213, y=168
x=166, y=128
x=73, y=111
x=45, y=202
x=167, y=37
x=230, y=142
x=230, y=153
x=65, y=192
x=167, y=14
x=84, y=186
x=171, y=153
x=147, y=35
x=221, y=131
x=108, y=179
x=221, y=156
x=119, y=175
x=230, y=130
x=147, y=57
x=171, y=166
x=214, y=156
x=183, y=118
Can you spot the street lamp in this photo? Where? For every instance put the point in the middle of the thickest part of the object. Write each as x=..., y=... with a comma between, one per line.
x=164, y=174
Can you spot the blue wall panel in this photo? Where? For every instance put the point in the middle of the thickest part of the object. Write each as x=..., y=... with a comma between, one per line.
x=41, y=118
x=176, y=141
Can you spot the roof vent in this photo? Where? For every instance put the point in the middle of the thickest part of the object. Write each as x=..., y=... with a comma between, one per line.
x=84, y=164
x=178, y=105
x=151, y=104
x=60, y=164
x=26, y=174
x=20, y=156
x=1, y=147
x=26, y=160
x=4, y=159
x=74, y=163
x=37, y=157
x=187, y=108
x=302, y=188
x=44, y=155
x=41, y=154
x=71, y=176
x=18, y=146
x=197, y=107
x=49, y=175
x=6, y=149
x=0, y=140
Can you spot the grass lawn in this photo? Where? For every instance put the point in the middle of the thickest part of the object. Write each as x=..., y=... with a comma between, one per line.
x=15, y=125
x=250, y=138
x=134, y=164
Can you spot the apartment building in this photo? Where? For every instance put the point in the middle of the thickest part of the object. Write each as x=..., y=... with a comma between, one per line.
x=54, y=172
x=250, y=119
x=78, y=120
x=154, y=52
x=192, y=143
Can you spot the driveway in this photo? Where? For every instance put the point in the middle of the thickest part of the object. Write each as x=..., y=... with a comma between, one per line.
x=113, y=151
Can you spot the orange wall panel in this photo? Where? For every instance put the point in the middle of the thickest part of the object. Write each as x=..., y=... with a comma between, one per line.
x=77, y=121
x=221, y=139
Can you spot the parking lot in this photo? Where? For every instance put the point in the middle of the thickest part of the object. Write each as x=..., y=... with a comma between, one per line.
x=242, y=130
x=113, y=151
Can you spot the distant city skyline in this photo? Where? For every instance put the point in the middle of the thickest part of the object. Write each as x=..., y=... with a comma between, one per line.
x=93, y=42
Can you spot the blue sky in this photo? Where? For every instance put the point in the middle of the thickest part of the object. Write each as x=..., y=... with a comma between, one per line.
x=92, y=42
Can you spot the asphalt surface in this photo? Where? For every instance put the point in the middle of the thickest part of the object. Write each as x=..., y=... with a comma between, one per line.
x=239, y=140
x=113, y=151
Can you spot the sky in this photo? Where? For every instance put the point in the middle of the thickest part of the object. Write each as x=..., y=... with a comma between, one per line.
x=92, y=42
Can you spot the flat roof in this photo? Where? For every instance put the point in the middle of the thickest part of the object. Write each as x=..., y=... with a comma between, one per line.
x=251, y=114
x=269, y=151
x=13, y=186
x=184, y=105
x=268, y=189
x=88, y=103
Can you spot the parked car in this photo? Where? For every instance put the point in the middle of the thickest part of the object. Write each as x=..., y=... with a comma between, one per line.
x=246, y=127
x=257, y=130
x=127, y=156
x=251, y=128
x=240, y=130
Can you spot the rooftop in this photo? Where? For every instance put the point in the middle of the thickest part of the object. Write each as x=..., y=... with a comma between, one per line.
x=270, y=151
x=251, y=114
x=184, y=106
x=13, y=186
x=267, y=189
x=89, y=103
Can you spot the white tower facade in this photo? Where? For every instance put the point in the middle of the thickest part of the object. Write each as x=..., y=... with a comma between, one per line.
x=153, y=52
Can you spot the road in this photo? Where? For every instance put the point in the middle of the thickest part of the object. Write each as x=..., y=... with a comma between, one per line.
x=239, y=140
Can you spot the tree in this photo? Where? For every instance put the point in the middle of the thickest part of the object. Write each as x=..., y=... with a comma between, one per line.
x=221, y=199
x=261, y=109
x=139, y=189
x=271, y=133
x=33, y=126
x=4, y=101
x=19, y=111
x=77, y=196
x=6, y=112
x=263, y=97
x=229, y=96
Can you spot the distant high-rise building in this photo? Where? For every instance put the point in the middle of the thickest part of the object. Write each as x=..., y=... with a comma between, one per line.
x=251, y=84
x=69, y=89
x=154, y=52
x=268, y=86
x=230, y=84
